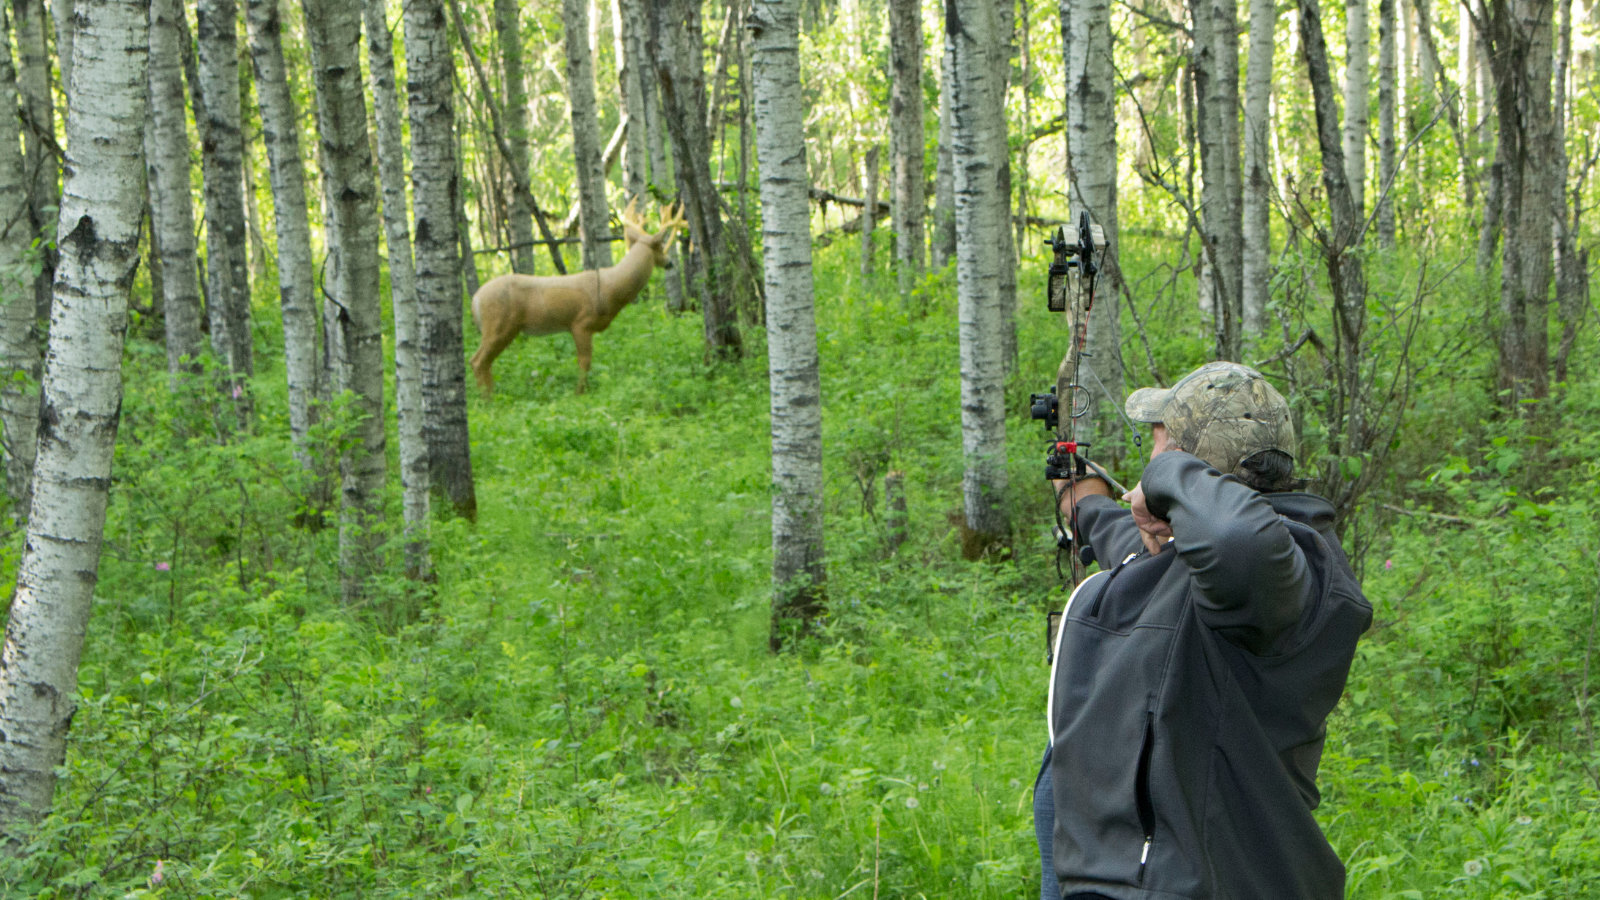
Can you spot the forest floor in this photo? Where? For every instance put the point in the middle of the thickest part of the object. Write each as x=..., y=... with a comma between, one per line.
x=584, y=704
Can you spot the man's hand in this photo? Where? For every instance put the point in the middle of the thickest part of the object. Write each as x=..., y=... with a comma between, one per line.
x=1153, y=532
x=1071, y=493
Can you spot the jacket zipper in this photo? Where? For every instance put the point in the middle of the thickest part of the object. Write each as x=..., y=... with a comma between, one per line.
x=1094, y=608
x=1142, y=798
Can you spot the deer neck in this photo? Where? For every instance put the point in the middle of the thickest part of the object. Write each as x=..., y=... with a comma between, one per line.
x=624, y=281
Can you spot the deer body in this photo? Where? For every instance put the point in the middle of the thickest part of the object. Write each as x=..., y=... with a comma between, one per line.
x=583, y=303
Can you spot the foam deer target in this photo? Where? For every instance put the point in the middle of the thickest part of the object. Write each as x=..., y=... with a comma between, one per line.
x=582, y=303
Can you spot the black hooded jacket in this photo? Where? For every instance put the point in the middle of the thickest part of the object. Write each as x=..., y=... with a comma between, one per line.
x=1190, y=693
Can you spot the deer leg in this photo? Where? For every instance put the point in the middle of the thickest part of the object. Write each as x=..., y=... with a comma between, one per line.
x=490, y=348
x=583, y=341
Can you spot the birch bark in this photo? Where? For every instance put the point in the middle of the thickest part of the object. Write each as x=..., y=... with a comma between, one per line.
x=798, y=561
x=1256, y=276
x=1216, y=78
x=352, y=313
x=39, y=134
x=980, y=207
x=905, y=141
x=1358, y=44
x=171, y=203
x=430, y=107
x=222, y=152
x=944, y=184
x=635, y=156
x=1092, y=175
x=19, y=336
x=1387, y=23
x=414, y=475
x=586, y=150
x=101, y=208
x=61, y=12
x=296, y=295
x=508, y=27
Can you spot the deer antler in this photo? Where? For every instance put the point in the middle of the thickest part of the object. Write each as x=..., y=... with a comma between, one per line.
x=672, y=219
x=630, y=216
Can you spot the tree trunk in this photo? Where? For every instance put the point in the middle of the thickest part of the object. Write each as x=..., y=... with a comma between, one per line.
x=1005, y=243
x=1348, y=438
x=1256, y=279
x=625, y=23
x=1520, y=38
x=1571, y=261
x=414, y=475
x=171, y=204
x=634, y=25
x=799, y=573
x=39, y=135
x=19, y=336
x=1092, y=177
x=1358, y=43
x=354, y=323
x=675, y=42
x=1216, y=82
x=61, y=12
x=295, y=281
x=944, y=184
x=430, y=105
x=905, y=140
x=469, y=259
x=593, y=213
x=222, y=152
x=101, y=208
x=981, y=208
x=869, y=211
x=1386, y=122
x=508, y=27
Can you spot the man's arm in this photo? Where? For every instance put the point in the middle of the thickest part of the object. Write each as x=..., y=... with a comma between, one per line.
x=1104, y=527
x=1252, y=578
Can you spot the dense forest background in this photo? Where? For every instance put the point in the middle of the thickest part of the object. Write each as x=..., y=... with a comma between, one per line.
x=298, y=611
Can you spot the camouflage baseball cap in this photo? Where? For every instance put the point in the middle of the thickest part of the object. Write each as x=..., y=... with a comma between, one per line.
x=1222, y=412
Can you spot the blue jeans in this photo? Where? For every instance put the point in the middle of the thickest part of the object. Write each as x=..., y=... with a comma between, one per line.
x=1044, y=825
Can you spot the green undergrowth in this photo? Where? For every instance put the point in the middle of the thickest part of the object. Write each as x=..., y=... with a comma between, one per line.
x=584, y=705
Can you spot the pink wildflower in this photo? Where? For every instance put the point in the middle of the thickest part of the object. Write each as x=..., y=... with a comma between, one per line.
x=1388, y=564
x=163, y=566
x=159, y=876
x=237, y=392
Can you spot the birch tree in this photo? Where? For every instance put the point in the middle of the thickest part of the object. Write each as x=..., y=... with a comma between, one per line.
x=976, y=116
x=630, y=87
x=61, y=12
x=414, y=476
x=593, y=214
x=98, y=236
x=280, y=131
x=633, y=27
x=944, y=184
x=167, y=173
x=905, y=140
x=39, y=133
x=351, y=314
x=1092, y=175
x=430, y=108
x=1256, y=268
x=798, y=564
x=675, y=45
x=1358, y=43
x=1387, y=107
x=508, y=27
x=1216, y=83
x=222, y=152
x=19, y=337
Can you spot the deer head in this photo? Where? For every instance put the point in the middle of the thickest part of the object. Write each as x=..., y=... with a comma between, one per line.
x=634, y=232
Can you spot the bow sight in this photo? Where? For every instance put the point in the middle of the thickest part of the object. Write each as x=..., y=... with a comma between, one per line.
x=1069, y=289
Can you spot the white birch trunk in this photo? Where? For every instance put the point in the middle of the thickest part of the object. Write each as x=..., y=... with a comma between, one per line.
x=434, y=192
x=944, y=183
x=38, y=136
x=19, y=338
x=980, y=209
x=296, y=293
x=352, y=314
x=593, y=212
x=222, y=150
x=101, y=208
x=508, y=28
x=635, y=156
x=1358, y=44
x=1386, y=120
x=1216, y=74
x=905, y=140
x=660, y=182
x=869, y=208
x=1256, y=279
x=171, y=202
x=414, y=476
x=798, y=570
x=1091, y=133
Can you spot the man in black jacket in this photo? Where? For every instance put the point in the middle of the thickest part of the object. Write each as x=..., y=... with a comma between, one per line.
x=1195, y=671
